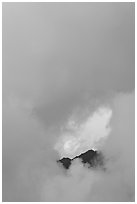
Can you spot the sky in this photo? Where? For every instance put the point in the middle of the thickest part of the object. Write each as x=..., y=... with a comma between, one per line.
x=61, y=63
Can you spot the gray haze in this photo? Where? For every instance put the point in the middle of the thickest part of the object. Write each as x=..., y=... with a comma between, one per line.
x=61, y=59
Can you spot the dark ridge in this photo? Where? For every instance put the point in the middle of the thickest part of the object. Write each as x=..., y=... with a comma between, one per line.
x=91, y=157
x=66, y=162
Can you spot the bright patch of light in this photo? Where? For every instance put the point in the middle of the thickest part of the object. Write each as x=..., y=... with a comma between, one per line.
x=85, y=136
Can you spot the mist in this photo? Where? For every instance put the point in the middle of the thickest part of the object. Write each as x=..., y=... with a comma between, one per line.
x=61, y=62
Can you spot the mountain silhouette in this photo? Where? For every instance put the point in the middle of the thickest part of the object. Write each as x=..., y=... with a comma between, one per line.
x=91, y=157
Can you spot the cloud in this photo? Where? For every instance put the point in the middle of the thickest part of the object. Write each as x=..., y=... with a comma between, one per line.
x=64, y=60
x=61, y=60
x=35, y=175
x=73, y=186
x=116, y=183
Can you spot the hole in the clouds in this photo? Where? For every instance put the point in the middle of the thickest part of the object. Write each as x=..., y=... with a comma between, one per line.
x=82, y=141
x=90, y=134
x=91, y=158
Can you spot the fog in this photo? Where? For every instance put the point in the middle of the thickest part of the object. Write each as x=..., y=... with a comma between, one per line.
x=61, y=62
